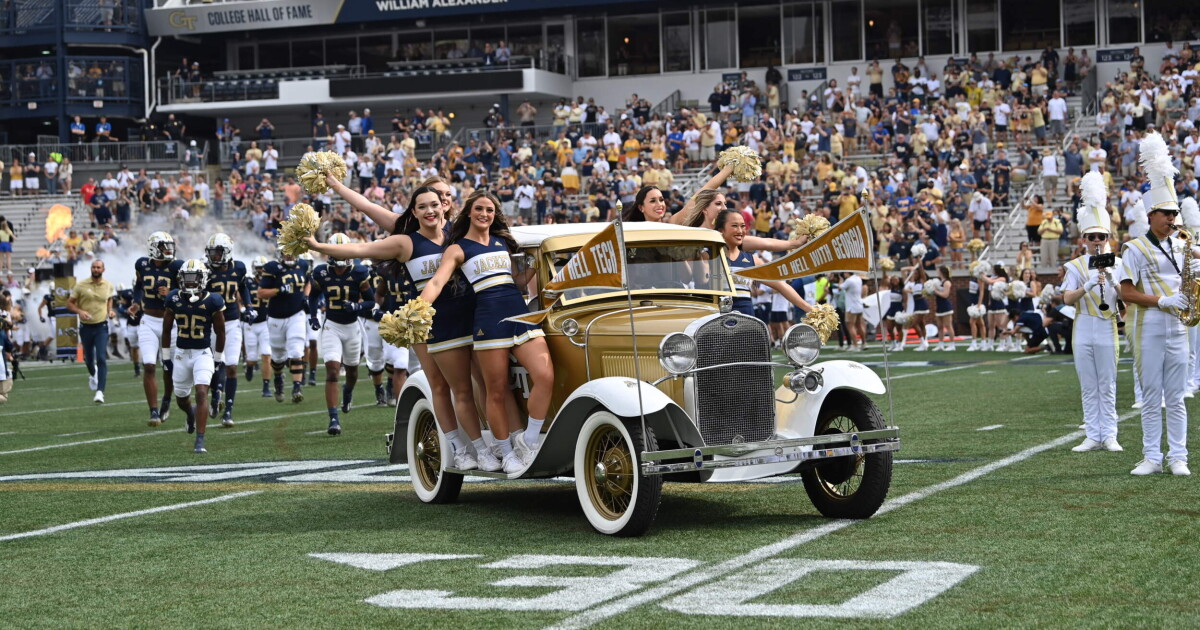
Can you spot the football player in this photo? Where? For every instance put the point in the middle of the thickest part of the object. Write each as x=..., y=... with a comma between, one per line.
x=156, y=275
x=256, y=335
x=227, y=278
x=308, y=263
x=283, y=287
x=369, y=321
x=343, y=285
x=196, y=314
x=129, y=327
x=391, y=294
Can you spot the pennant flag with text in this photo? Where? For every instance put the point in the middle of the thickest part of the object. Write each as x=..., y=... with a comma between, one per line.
x=844, y=247
x=598, y=264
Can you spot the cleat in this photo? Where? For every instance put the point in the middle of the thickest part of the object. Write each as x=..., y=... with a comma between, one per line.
x=1088, y=445
x=312, y=378
x=93, y=382
x=164, y=409
x=200, y=449
x=334, y=427
x=1147, y=467
x=1178, y=467
x=486, y=461
x=155, y=419
x=98, y=398
x=380, y=397
x=249, y=373
x=1111, y=445
x=347, y=406
x=279, y=395
x=465, y=460
x=297, y=394
x=512, y=464
x=137, y=370
x=227, y=419
x=191, y=423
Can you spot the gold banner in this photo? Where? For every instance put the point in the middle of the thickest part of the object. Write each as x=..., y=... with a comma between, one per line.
x=844, y=247
x=596, y=264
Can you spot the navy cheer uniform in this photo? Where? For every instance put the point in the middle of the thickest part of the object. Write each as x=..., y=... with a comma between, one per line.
x=896, y=306
x=994, y=305
x=1025, y=303
x=743, y=301
x=489, y=270
x=973, y=291
x=453, y=323
x=920, y=304
x=944, y=305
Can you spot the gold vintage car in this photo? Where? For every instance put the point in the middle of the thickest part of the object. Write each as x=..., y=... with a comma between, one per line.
x=666, y=382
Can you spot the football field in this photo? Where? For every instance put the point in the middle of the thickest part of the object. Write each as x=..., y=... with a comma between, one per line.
x=991, y=522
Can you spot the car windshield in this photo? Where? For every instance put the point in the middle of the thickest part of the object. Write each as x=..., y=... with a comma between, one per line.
x=684, y=267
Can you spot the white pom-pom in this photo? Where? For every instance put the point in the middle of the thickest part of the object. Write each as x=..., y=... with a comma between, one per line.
x=999, y=290
x=1018, y=289
x=918, y=250
x=932, y=286
x=902, y=318
x=1048, y=293
x=976, y=311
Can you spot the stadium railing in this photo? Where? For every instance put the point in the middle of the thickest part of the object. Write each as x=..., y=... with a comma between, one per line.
x=155, y=153
x=246, y=85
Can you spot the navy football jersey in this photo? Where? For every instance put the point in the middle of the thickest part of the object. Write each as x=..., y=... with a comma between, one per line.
x=194, y=320
x=124, y=299
x=227, y=282
x=338, y=288
x=275, y=276
x=149, y=277
x=398, y=291
x=258, y=304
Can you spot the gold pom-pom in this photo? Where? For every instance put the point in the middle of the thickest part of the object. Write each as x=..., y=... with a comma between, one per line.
x=747, y=166
x=823, y=318
x=887, y=264
x=315, y=166
x=976, y=245
x=302, y=222
x=811, y=225
x=409, y=325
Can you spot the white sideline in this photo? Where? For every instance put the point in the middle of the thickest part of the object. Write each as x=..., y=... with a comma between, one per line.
x=149, y=433
x=114, y=517
x=713, y=572
x=91, y=406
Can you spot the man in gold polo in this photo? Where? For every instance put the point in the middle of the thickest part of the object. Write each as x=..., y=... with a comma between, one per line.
x=92, y=301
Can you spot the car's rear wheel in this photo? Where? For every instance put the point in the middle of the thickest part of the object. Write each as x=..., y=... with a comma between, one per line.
x=853, y=486
x=428, y=453
x=616, y=498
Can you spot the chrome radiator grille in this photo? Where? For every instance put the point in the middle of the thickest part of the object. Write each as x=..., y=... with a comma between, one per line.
x=736, y=403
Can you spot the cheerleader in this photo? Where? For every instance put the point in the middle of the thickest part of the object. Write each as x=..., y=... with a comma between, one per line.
x=997, y=337
x=417, y=241
x=708, y=202
x=481, y=246
x=893, y=331
x=944, y=309
x=914, y=290
x=732, y=226
x=1032, y=287
x=978, y=324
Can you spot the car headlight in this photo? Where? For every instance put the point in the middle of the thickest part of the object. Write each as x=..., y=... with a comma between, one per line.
x=801, y=344
x=677, y=353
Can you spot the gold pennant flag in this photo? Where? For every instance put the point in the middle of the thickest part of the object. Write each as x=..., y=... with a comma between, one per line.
x=596, y=265
x=846, y=246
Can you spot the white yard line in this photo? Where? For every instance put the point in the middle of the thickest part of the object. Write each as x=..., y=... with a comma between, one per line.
x=76, y=433
x=149, y=433
x=990, y=427
x=755, y=556
x=957, y=367
x=91, y=406
x=45, y=388
x=115, y=517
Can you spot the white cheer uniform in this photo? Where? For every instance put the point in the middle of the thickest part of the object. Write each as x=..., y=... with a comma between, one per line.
x=1160, y=344
x=1094, y=344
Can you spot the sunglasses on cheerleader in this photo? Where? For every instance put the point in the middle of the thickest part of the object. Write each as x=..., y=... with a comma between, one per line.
x=1096, y=237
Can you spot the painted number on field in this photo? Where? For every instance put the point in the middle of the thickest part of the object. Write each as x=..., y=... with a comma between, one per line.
x=914, y=584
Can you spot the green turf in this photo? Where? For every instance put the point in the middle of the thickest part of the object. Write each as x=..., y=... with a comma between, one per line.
x=1061, y=539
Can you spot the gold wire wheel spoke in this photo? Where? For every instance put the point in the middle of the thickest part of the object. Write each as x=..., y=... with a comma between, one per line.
x=850, y=485
x=611, y=497
x=429, y=464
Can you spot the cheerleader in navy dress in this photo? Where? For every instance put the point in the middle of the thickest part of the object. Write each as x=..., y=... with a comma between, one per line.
x=732, y=226
x=997, y=310
x=915, y=289
x=413, y=253
x=891, y=328
x=481, y=248
x=944, y=310
x=978, y=324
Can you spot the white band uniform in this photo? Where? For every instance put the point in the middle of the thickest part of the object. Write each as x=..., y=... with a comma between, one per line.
x=1095, y=348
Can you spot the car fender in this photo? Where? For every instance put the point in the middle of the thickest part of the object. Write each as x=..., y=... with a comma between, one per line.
x=415, y=388
x=618, y=395
x=798, y=416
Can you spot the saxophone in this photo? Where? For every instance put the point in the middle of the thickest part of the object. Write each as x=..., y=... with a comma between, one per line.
x=1189, y=286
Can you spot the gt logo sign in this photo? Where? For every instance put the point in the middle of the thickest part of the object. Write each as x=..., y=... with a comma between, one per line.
x=914, y=584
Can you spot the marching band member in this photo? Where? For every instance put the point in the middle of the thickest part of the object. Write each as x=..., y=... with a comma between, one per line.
x=1189, y=214
x=1151, y=285
x=255, y=332
x=198, y=313
x=155, y=276
x=482, y=247
x=343, y=285
x=1094, y=336
x=417, y=242
x=227, y=278
x=283, y=285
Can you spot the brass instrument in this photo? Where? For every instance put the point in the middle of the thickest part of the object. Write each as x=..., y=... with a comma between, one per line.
x=1188, y=286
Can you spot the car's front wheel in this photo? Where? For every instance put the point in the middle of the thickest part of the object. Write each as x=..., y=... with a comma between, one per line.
x=428, y=453
x=616, y=498
x=853, y=486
